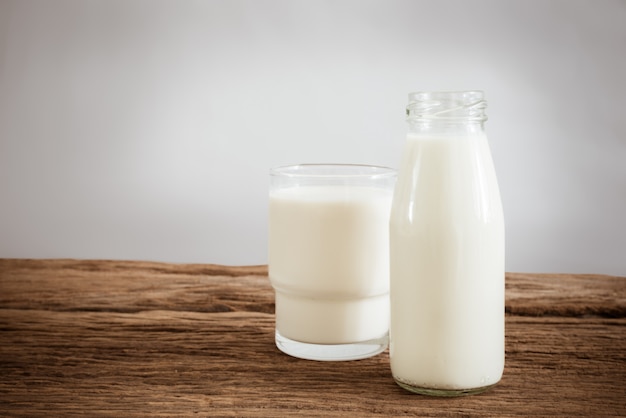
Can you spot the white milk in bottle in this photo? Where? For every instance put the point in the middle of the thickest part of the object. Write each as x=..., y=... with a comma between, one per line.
x=447, y=251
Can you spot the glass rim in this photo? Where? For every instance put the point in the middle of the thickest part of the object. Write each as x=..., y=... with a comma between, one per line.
x=333, y=170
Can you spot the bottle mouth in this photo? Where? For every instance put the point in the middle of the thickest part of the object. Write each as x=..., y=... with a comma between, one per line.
x=447, y=106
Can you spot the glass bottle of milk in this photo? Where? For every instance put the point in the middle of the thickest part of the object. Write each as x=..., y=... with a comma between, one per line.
x=447, y=251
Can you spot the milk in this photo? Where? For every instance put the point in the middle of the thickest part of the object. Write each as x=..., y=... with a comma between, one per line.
x=447, y=265
x=329, y=262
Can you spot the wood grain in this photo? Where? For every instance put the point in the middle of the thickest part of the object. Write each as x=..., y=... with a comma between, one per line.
x=130, y=339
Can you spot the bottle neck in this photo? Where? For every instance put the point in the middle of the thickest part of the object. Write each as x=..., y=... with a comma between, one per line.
x=448, y=127
x=446, y=113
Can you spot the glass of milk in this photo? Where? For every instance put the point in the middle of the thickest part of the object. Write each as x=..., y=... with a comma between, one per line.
x=329, y=259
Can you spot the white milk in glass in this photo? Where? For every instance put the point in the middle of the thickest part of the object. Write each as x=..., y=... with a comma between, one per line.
x=447, y=266
x=329, y=263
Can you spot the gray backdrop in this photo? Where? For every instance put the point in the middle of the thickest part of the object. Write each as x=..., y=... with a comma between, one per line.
x=145, y=129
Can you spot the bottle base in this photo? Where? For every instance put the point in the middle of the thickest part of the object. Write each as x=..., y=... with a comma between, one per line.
x=442, y=392
x=331, y=352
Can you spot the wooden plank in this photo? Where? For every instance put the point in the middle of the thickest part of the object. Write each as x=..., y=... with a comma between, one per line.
x=172, y=363
x=95, y=338
x=131, y=286
x=127, y=286
x=566, y=295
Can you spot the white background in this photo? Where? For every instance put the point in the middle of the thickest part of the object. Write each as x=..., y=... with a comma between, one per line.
x=145, y=129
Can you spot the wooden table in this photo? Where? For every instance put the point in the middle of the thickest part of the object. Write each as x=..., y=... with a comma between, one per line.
x=126, y=339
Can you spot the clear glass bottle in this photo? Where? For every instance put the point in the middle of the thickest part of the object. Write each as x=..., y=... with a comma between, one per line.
x=447, y=251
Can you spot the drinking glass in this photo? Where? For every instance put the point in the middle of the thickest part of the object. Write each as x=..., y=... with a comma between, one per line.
x=329, y=259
